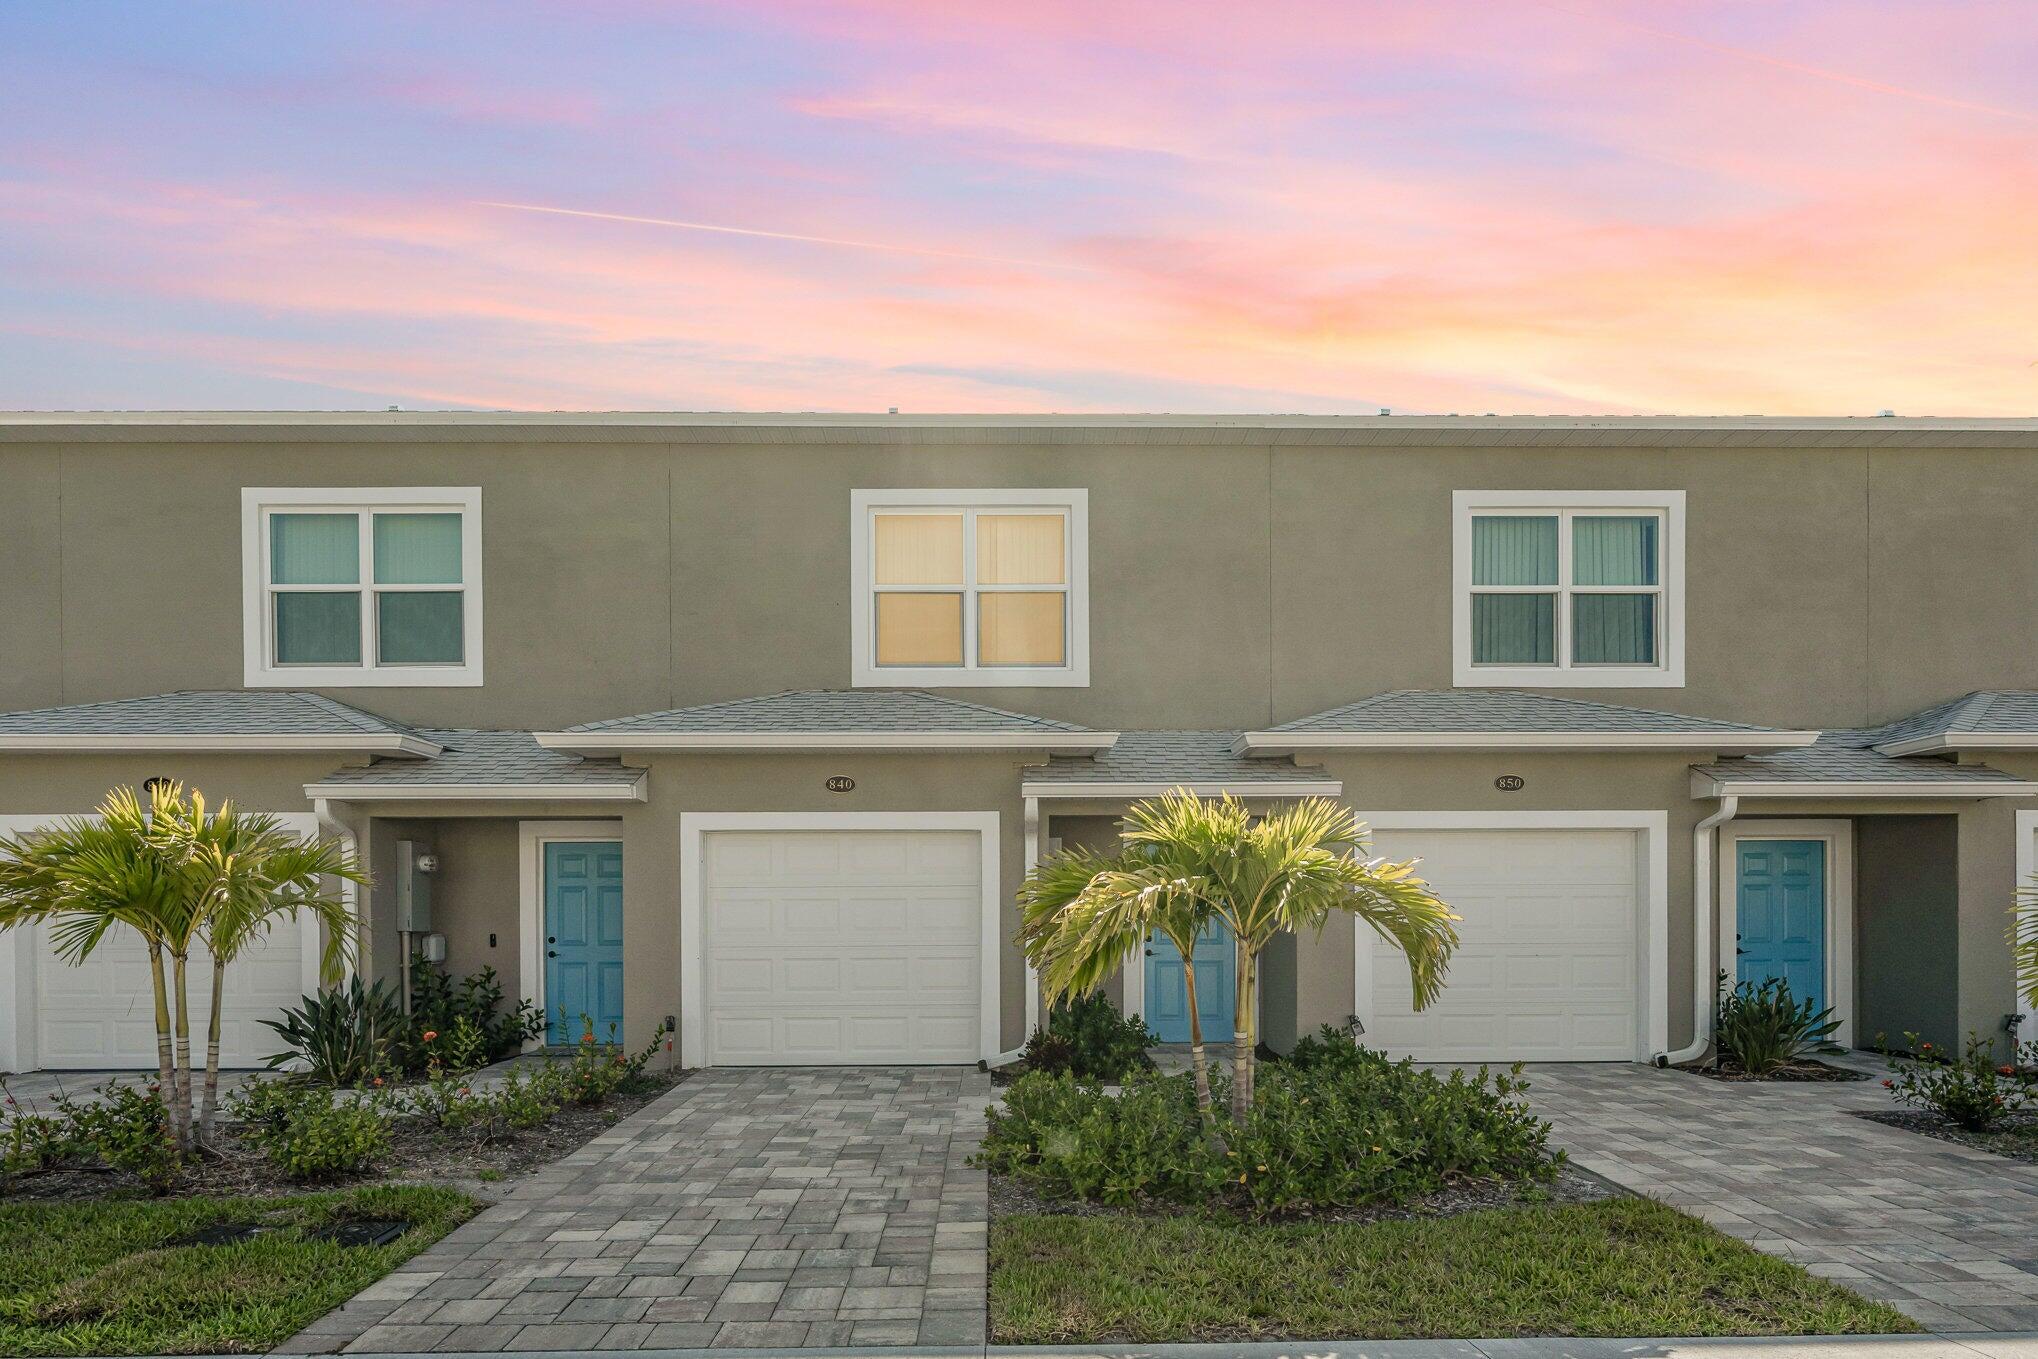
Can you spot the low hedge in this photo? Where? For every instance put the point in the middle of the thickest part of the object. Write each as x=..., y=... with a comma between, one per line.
x=1336, y=1125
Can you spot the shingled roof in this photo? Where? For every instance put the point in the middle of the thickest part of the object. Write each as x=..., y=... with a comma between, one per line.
x=1202, y=761
x=1980, y=720
x=819, y=719
x=1470, y=718
x=217, y=719
x=485, y=764
x=1851, y=761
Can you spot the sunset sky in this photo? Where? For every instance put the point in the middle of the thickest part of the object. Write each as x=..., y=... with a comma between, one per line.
x=1629, y=206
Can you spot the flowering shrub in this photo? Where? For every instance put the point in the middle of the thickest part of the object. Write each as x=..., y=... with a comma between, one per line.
x=596, y=1070
x=1334, y=1125
x=1970, y=1090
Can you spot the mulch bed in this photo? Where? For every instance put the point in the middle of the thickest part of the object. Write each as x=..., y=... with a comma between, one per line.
x=1014, y=1198
x=1806, y=1070
x=2015, y=1138
x=418, y=1154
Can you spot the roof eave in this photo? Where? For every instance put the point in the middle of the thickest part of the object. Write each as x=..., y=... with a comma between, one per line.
x=1291, y=742
x=1198, y=787
x=713, y=742
x=1704, y=785
x=371, y=743
x=477, y=792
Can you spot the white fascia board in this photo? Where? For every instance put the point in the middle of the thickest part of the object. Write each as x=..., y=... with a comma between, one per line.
x=1705, y=786
x=1290, y=742
x=373, y=743
x=698, y=742
x=477, y=792
x=1204, y=789
x=1940, y=743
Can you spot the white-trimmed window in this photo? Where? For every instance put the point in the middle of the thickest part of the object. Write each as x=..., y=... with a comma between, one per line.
x=369, y=586
x=1570, y=589
x=976, y=587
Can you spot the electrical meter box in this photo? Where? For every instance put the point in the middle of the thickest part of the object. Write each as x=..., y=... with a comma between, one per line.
x=413, y=889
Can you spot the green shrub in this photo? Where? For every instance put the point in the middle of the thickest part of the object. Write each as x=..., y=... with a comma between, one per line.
x=1761, y=1028
x=438, y=1005
x=129, y=1128
x=1341, y=1126
x=33, y=1140
x=313, y=1132
x=596, y=1071
x=1971, y=1090
x=344, y=1035
x=1089, y=1039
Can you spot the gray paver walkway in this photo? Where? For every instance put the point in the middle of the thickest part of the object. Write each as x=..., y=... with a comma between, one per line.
x=753, y=1209
x=1946, y=1233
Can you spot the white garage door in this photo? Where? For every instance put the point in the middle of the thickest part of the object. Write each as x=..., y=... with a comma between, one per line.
x=100, y=1015
x=834, y=948
x=1548, y=964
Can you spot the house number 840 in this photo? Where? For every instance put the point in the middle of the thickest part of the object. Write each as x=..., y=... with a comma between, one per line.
x=841, y=783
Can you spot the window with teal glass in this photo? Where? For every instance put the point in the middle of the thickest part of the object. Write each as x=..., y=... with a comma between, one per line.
x=1564, y=588
x=352, y=585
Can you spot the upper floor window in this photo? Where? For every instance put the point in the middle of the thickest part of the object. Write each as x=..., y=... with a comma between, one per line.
x=971, y=587
x=361, y=586
x=1569, y=588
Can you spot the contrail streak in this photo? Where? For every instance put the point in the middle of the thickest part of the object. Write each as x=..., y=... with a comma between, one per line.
x=844, y=242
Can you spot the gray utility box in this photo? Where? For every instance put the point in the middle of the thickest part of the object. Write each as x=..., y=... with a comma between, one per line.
x=413, y=889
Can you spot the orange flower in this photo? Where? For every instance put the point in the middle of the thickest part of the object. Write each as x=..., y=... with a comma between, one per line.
x=2006, y=1071
x=430, y=1034
x=378, y=1080
x=587, y=1038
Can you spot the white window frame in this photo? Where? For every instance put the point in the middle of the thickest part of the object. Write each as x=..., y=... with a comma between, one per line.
x=258, y=503
x=1666, y=506
x=1073, y=504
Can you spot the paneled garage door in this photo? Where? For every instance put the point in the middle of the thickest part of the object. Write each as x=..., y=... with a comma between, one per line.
x=1547, y=970
x=833, y=948
x=100, y=1015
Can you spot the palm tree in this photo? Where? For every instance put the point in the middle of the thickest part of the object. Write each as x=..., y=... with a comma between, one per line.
x=180, y=877
x=248, y=871
x=2024, y=945
x=1284, y=873
x=1083, y=913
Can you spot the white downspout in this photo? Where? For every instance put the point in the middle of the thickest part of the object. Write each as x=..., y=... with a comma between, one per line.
x=330, y=814
x=1702, y=933
x=1032, y=862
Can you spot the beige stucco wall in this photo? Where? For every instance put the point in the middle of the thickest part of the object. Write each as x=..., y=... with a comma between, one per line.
x=1828, y=587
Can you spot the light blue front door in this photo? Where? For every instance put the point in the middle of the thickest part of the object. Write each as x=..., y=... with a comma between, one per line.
x=1781, y=915
x=1167, y=994
x=583, y=938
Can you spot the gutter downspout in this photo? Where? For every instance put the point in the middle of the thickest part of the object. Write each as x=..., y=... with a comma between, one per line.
x=332, y=817
x=1702, y=932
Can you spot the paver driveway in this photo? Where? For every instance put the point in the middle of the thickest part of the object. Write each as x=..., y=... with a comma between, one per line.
x=1947, y=1234
x=747, y=1208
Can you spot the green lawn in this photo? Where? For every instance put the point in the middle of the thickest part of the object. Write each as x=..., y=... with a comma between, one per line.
x=98, y=1278
x=1616, y=1268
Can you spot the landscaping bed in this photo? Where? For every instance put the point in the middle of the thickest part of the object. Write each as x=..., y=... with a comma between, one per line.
x=2015, y=1137
x=129, y=1276
x=1799, y=1069
x=416, y=1151
x=1617, y=1267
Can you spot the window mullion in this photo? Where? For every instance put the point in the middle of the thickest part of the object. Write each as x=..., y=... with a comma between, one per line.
x=1565, y=575
x=969, y=589
x=371, y=656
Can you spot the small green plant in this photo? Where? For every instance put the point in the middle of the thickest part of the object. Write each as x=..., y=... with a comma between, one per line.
x=31, y=1140
x=597, y=1070
x=129, y=1128
x=1088, y=1038
x=344, y=1035
x=1971, y=1090
x=438, y=1004
x=313, y=1132
x=1761, y=1028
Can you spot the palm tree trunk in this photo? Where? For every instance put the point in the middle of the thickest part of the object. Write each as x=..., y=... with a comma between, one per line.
x=1205, y=1105
x=166, y=1063
x=1242, y=1041
x=180, y=1106
x=211, y=1104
